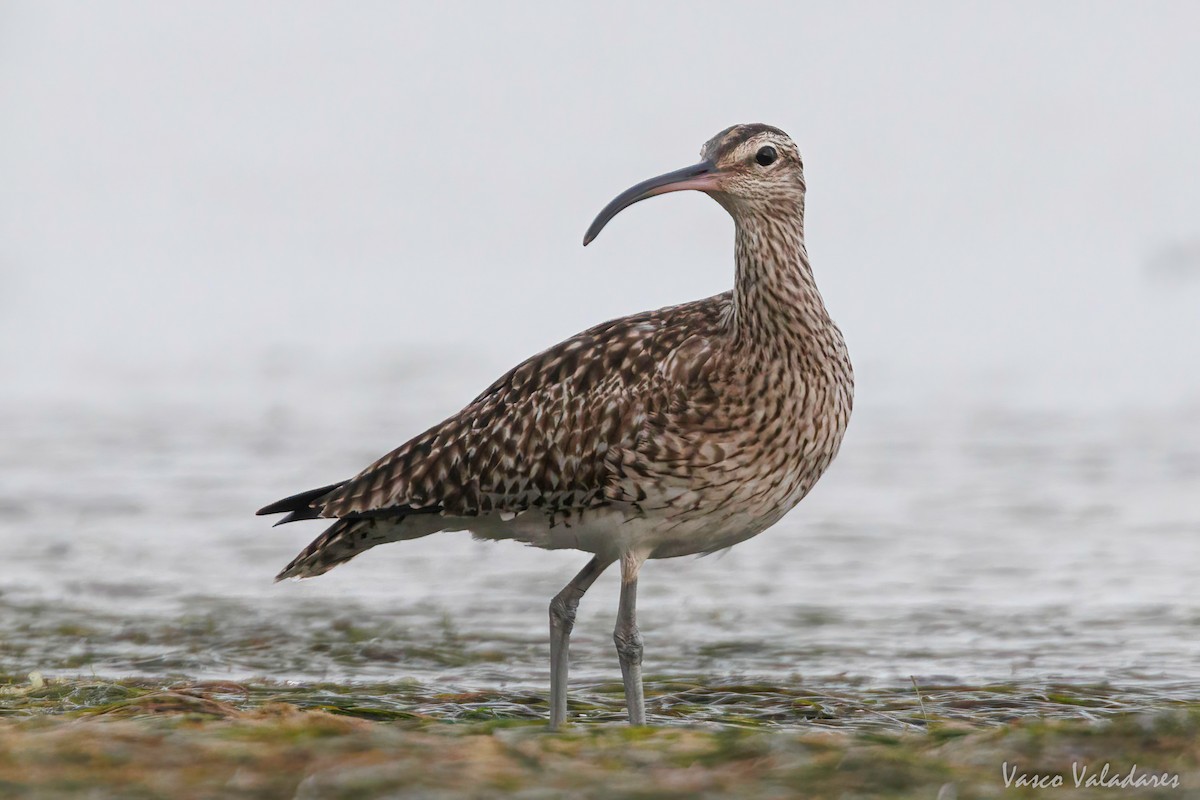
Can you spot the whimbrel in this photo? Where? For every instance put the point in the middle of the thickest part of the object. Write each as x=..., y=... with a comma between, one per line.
x=673, y=432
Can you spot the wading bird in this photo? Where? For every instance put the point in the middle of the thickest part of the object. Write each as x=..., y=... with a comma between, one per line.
x=668, y=433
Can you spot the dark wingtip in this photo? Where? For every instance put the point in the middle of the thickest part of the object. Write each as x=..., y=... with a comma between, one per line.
x=298, y=504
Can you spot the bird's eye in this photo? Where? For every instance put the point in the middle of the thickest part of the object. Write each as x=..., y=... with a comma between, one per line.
x=766, y=155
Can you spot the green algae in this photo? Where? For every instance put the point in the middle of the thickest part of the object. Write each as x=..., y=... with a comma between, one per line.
x=940, y=711
x=160, y=737
x=136, y=739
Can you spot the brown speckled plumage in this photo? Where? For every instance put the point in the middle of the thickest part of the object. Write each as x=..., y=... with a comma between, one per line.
x=682, y=430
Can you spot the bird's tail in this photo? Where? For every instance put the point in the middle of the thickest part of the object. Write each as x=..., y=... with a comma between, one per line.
x=335, y=546
x=346, y=538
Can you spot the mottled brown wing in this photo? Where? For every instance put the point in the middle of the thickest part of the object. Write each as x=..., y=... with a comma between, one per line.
x=549, y=434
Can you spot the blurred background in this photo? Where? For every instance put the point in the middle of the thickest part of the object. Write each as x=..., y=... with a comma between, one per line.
x=247, y=248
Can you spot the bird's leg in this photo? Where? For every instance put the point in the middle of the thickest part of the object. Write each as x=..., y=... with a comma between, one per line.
x=562, y=620
x=629, y=640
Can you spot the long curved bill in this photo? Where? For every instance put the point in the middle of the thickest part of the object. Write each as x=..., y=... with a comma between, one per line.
x=702, y=176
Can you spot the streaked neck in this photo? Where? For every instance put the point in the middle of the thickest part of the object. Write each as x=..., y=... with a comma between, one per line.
x=775, y=299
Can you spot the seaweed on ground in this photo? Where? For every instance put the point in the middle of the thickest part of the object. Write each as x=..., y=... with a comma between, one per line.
x=153, y=738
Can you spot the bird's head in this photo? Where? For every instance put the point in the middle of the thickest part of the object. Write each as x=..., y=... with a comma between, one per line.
x=748, y=169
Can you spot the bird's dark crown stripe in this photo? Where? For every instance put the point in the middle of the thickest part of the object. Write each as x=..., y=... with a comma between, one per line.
x=732, y=138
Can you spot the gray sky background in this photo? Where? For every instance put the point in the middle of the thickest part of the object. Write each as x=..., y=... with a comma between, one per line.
x=194, y=183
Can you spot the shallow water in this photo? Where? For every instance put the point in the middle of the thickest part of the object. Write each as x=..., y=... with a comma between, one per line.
x=963, y=543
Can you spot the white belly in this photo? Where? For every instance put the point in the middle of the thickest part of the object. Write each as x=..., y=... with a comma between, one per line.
x=611, y=531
